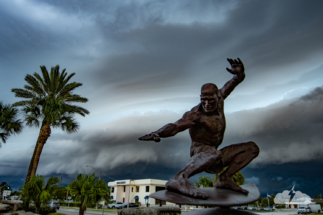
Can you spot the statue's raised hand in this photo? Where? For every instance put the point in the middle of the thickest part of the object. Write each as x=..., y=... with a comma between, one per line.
x=152, y=136
x=236, y=66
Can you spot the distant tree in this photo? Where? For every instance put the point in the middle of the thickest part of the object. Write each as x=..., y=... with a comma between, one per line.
x=237, y=177
x=86, y=188
x=38, y=191
x=60, y=193
x=47, y=103
x=263, y=202
x=204, y=181
x=3, y=186
x=271, y=200
x=9, y=124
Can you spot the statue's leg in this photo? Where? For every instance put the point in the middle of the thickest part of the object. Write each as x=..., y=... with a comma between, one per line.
x=199, y=162
x=235, y=157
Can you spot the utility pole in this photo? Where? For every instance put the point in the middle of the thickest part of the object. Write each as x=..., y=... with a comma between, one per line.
x=61, y=181
x=99, y=171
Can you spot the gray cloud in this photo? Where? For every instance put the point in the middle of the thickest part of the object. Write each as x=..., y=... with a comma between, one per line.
x=286, y=132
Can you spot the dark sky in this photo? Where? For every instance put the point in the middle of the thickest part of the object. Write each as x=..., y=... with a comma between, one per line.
x=142, y=64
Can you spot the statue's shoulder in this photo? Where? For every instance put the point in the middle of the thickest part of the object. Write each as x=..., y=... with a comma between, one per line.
x=193, y=115
x=197, y=108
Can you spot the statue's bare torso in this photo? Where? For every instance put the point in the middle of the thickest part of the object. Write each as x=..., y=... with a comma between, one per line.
x=208, y=130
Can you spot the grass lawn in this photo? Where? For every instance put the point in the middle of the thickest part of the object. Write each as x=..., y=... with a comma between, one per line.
x=91, y=209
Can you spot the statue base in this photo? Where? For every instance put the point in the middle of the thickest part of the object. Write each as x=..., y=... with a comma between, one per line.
x=217, y=197
x=218, y=211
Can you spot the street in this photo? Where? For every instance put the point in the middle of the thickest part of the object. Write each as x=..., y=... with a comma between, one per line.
x=75, y=212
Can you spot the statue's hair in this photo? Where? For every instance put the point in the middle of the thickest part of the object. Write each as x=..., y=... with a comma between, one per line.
x=210, y=85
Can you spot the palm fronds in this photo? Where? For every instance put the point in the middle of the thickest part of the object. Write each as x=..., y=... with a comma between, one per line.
x=49, y=97
x=9, y=124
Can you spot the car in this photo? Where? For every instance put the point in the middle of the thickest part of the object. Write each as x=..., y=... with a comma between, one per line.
x=131, y=205
x=236, y=208
x=260, y=208
x=252, y=208
x=303, y=210
x=244, y=207
x=268, y=209
x=54, y=205
x=115, y=205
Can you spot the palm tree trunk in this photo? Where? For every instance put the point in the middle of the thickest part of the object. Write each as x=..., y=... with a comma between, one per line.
x=30, y=165
x=81, y=211
x=44, y=134
x=37, y=208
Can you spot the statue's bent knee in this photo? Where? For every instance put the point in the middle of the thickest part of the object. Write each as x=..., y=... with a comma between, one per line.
x=253, y=148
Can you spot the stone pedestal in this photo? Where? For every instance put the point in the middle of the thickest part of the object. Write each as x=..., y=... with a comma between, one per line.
x=218, y=211
x=10, y=207
x=165, y=210
x=14, y=204
x=221, y=198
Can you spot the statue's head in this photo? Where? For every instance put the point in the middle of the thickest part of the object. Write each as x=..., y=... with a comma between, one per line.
x=209, y=98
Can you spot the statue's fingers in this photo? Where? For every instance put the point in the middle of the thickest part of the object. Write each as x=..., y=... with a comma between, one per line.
x=235, y=61
x=228, y=59
x=229, y=70
x=143, y=137
x=157, y=139
x=239, y=60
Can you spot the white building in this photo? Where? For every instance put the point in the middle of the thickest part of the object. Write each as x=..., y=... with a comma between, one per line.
x=137, y=191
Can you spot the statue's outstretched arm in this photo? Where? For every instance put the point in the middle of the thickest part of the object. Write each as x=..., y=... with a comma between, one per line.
x=172, y=129
x=237, y=69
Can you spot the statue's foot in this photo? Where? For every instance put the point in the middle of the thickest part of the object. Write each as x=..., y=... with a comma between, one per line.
x=185, y=187
x=227, y=183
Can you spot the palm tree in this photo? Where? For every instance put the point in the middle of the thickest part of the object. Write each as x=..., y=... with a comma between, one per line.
x=37, y=191
x=9, y=124
x=86, y=188
x=47, y=103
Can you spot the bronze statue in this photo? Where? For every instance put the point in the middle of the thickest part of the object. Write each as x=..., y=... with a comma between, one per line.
x=206, y=124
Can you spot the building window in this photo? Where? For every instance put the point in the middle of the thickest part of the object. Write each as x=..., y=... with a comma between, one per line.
x=123, y=200
x=147, y=188
x=124, y=188
x=132, y=189
x=159, y=188
x=112, y=190
x=137, y=189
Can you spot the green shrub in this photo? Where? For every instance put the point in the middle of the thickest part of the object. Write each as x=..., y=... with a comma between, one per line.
x=44, y=210
x=56, y=214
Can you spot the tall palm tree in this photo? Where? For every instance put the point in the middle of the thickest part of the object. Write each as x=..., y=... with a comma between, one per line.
x=86, y=188
x=9, y=124
x=38, y=191
x=47, y=103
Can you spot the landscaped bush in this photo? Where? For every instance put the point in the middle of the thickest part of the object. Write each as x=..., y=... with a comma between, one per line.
x=71, y=204
x=44, y=210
